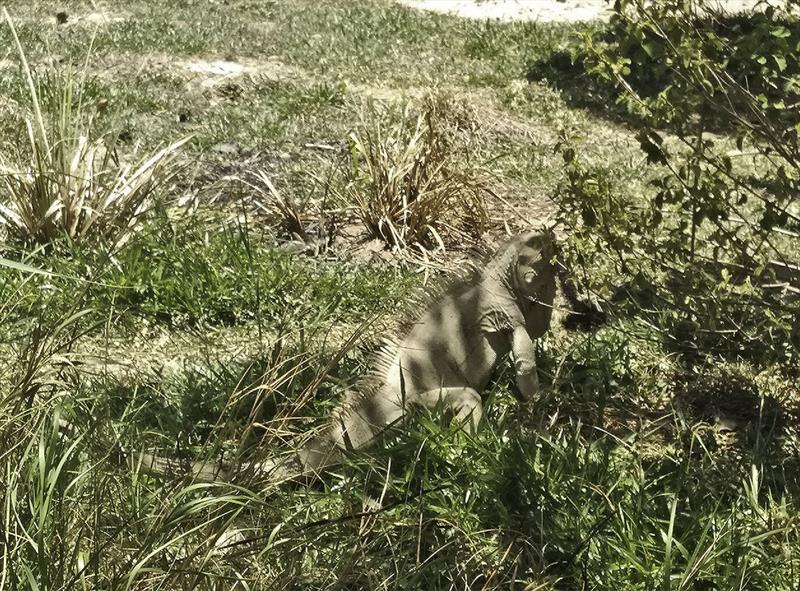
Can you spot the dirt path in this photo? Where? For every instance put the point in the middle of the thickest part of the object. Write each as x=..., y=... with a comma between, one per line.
x=543, y=10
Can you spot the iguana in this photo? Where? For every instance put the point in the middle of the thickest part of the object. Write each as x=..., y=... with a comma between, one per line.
x=443, y=356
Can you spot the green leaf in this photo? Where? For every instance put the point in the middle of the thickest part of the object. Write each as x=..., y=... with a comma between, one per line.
x=589, y=216
x=780, y=32
x=650, y=143
x=23, y=267
x=650, y=48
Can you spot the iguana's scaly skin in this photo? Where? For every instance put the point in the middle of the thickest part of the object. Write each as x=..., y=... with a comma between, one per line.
x=445, y=356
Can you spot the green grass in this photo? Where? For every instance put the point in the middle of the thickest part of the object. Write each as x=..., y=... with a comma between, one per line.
x=206, y=273
x=204, y=337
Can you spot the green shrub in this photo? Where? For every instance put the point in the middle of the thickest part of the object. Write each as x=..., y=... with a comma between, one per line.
x=707, y=253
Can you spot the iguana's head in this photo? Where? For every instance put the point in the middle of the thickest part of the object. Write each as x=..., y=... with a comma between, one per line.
x=534, y=273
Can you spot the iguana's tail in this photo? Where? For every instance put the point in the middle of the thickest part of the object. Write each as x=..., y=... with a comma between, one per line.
x=304, y=465
x=164, y=467
x=274, y=470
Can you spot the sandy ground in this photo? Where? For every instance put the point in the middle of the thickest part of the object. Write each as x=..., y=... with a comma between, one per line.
x=543, y=10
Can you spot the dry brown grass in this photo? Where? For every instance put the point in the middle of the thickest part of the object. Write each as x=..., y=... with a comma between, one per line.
x=404, y=178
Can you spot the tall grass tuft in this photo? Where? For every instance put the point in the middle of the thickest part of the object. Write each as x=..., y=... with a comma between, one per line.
x=404, y=178
x=67, y=181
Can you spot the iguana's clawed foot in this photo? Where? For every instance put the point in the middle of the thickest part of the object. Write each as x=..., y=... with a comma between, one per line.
x=528, y=385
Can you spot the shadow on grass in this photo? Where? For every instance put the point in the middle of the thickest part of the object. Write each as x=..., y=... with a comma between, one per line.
x=206, y=402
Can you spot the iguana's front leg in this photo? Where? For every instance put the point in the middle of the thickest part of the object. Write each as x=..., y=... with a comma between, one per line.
x=524, y=352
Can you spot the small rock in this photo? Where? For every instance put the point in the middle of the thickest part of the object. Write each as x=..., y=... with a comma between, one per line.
x=229, y=148
x=352, y=231
x=228, y=539
x=294, y=247
x=62, y=18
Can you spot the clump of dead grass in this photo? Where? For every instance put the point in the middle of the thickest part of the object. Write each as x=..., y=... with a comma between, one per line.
x=275, y=204
x=406, y=179
x=67, y=181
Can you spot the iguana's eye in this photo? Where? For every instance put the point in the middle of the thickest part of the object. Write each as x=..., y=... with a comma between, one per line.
x=529, y=257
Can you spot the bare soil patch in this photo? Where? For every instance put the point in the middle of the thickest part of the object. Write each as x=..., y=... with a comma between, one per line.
x=542, y=10
x=89, y=19
x=212, y=72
